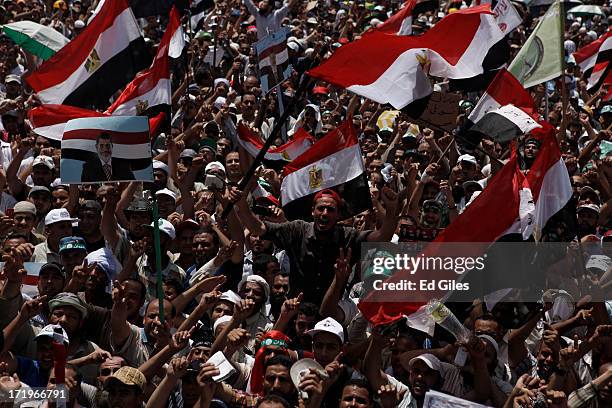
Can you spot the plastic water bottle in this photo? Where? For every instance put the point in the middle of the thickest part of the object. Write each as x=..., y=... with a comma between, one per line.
x=445, y=318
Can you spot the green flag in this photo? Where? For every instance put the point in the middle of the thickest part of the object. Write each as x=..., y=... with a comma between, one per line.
x=541, y=57
x=37, y=39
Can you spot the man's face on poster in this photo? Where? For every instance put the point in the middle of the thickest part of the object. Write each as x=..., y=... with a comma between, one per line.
x=104, y=146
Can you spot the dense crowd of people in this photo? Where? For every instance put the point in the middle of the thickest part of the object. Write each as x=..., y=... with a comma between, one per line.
x=258, y=294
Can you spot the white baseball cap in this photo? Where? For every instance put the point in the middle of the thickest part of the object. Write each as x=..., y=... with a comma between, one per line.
x=468, y=158
x=45, y=160
x=230, y=296
x=328, y=325
x=56, y=332
x=159, y=165
x=58, y=215
x=165, y=226
x=432, y=361
x=167, y=192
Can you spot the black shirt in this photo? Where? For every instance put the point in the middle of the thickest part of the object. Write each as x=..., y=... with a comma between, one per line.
x=312, y=257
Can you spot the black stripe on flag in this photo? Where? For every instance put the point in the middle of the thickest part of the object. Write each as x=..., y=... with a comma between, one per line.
x=114, y=74
x=355, y=194
x=504, y=124
x=496, y=58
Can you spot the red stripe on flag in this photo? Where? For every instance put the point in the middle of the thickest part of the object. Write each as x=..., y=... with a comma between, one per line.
x=30, y=280
x=51, y=114
x=373, y=59
x=273, y=49
x=125, y=138
x=344, y=136
x=72, y=55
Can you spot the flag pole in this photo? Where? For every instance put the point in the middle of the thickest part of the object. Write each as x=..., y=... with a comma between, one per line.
x=562, y=51
x=273, y=135
x=158, y=269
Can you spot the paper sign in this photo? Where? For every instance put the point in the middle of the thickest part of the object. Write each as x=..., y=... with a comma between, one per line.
x=434, y=399
x=441, y=111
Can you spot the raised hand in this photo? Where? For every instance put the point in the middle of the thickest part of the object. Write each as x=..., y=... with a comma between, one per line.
x=291, y=307
x=343, y=266
x=177, y=367
x=180, y=340
x=243, y=309
x=389, y=396
x=33, y=307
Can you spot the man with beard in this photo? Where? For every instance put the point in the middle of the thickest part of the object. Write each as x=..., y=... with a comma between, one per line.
x=431, y=214
x=528, y=152
x=72, y=252
x=24, y=214
x=279, y=290
x=588, y=218
x=131, y=342
x=312, y=247
x=205, y=247
x=185, y=234
x=58, y=224
x=90, y=218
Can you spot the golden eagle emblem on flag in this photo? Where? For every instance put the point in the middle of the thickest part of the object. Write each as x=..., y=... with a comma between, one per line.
x=141, y=106
x=316, y=177
x=93, y=61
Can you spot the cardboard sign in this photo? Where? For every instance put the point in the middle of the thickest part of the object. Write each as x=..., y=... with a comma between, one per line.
x=441, y=111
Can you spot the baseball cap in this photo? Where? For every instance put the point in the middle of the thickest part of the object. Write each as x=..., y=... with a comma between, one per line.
x=158, y=165
x=599, y=262
x=45, y=160
x=139, y=204
x=54, y=331
x=188, y=153
x=164, y=226
x=209, y=144
x=203, y=35
x=591, y=207
x=432, y=361
x=188, y=223
x=12, y=78
x=79, y=24
x=68, y=299
x=58, y=215
x=328, y=325
x=467, y=158
x=52, y=267
x=37, y=189
x=127, y=375
x=212, y=165
x=72, y=243
x=24, y=207
x=320, y=90
x=166, y=192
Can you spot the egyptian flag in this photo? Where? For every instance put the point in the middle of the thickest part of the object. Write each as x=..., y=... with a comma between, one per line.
x=105, y=57
x=150, y=92
x=504, y=90
x=508, y=19
x=333, y=162
x=300, y=142
x=513, y=203
x=396, y=73
x=400, y=23
x=50, y=120
x=594, y=60
x=505, y=123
